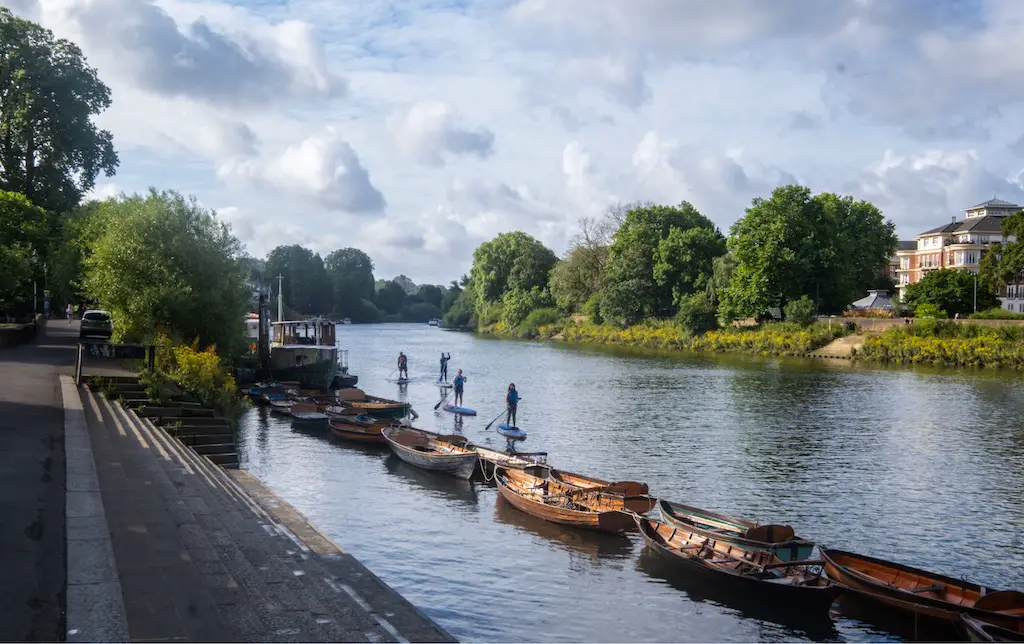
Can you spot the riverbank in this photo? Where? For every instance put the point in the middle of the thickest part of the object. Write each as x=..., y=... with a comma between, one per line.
x=954, y=343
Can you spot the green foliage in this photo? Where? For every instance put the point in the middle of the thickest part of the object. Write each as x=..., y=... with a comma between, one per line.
x=927, y=310
x=390, y=298
x=451, y=295
x=943, y=342
x=697, y=313
x=996, y=313
x=792, y=244
x=201, y=374
x=659, y=254
x=592, y=309
x=430, y=294
x=460, y=313
x=420, y=312
x=161, y=261
x=52, y=152
x=517, y=304
x=349, y=272
x=510, y=261
x=1004, y=263
x=801, y=311
x=531, y=326
x=950, y=290
x=22, y=232
x=307, y=288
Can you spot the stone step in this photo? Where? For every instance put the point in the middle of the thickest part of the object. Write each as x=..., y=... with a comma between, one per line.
x=174, y=412
x=194, y=440
x=193, y=421
x=207, y=449
x=224, y=460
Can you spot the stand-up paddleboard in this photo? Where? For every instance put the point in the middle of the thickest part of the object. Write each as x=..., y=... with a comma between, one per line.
x=400, y=381
x=512, y=433
x=465, y=411
x=444, y=385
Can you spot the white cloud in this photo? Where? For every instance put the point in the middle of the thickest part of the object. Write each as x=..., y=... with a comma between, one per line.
x=415, y=130
x=322, y=169
x=430, y=130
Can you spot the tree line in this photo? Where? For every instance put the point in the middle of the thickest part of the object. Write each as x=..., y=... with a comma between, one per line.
x=645, y=261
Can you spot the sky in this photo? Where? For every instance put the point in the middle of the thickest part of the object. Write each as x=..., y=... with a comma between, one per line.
x=417, y=130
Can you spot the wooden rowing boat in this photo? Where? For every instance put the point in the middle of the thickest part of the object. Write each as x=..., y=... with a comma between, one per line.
x=780, y=540
x=429, y=452
x=596, y=507
x=491, y=459
x=362, y=429
x=747, y=573
x=925, y=593
x=975, y=630
x=379, y=407
x=282, y=406
x=635, y=494
x=306, y=413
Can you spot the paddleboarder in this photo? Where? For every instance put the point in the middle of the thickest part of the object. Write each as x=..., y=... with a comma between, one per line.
x=459, y=381
x=403, y=366
x=512, y=400
x=444, y=367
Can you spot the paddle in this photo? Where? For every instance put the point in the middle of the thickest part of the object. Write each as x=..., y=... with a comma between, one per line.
x=444, y=399
x=503, y=411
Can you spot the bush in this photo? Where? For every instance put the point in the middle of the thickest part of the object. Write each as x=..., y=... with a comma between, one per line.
x=518, y=303
x=997, y=313
x=200, y=374
x=943, y=342
x=460, y=315
x=530, y=327
x=592, y=309
x=697, y=314
x=802, y=311
x=929, y=311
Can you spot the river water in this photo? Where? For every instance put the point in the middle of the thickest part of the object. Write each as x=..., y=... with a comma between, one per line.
x=924, y=467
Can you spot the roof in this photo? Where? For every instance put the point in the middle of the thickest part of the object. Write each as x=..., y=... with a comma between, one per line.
x=986, y=224
x=945, y=228
x=994, y=203
x=906, y=245
x=876, y=300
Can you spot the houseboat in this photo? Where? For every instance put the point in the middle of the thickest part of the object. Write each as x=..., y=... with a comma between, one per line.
x=304, y=351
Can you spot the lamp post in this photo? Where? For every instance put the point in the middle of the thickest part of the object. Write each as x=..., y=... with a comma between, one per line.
x=975, y=292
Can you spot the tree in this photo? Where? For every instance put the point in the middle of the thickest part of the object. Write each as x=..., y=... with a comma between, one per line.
x=160, y=261
x=407, y=284
x=452, y=294
x=391, y=297
x=22, y=233
x=508, y=262
x=949, y=290
x=306, y=286
x=697, y=313
x=659, y=254
x=580, y=274
x=50, y=150
x=827, y=247
x=801, y=311
x=460, y=314
x=1004, y=263
x=350, y=275
x=430, y=294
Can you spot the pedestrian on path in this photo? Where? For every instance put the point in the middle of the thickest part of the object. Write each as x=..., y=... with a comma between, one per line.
x=70, y=311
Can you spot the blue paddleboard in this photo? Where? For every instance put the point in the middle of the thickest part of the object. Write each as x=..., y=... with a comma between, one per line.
x=513, y=433
x=465, y=411
x=445, y=385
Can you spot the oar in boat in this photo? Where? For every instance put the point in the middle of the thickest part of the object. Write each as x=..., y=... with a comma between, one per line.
x=443, y=399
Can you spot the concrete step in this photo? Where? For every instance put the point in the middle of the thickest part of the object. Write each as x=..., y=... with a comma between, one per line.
x=208, y=449
x=194, y=421
x=194, y=440
x=175, y=412
x=224, y=460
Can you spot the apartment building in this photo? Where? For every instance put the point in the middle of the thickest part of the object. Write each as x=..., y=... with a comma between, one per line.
x=961, y=245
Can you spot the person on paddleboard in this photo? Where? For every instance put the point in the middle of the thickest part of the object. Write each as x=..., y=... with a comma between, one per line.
x=403, y=366
x=512, y=400
x=459, y=381
x=444, y=367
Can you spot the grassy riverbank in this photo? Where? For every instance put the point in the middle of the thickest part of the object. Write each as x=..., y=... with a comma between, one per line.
x=781, y=339
x=945, y=343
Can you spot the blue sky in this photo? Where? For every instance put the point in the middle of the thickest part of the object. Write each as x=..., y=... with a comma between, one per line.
x=416, y=130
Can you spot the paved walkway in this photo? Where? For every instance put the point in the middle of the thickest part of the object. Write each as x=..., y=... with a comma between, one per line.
x=161, y=544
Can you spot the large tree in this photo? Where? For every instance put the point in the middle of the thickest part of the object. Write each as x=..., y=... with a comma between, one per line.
x=306, y=287
x=350, y=273
x=660, y=254
x=580, y=274
x=950, y=290
x=1004, y=263
x=22, y=237
x=791, y=244
x=391, y=297
x=510, y=261
x=161, y=262
x=50, y=150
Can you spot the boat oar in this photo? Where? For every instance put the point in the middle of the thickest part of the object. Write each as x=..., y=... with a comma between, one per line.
x=443, y=399
x=496, y=418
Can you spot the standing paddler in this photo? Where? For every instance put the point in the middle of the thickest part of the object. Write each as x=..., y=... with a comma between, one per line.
x=403, y=366
x=444, y=367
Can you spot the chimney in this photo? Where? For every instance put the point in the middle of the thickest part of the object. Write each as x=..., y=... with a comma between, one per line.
x=954, y=219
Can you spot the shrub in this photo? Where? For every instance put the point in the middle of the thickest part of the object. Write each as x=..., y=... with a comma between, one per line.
x=592, y=309
x=802, y=311
x=518, y=303
x=997, y=313
x=200, y=374
x=460, y=315
x=929, y=311
x=697, y=314
x=530, y=327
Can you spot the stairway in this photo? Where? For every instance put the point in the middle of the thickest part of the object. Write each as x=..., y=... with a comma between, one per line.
x=200, y=560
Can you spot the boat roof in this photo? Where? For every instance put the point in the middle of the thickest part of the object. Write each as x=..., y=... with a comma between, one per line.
x=304, y=322
x=303, y=346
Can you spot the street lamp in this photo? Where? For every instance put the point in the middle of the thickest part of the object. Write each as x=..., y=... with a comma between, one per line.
x=975, y=292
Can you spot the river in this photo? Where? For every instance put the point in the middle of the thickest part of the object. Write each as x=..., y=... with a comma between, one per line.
x=923, y=467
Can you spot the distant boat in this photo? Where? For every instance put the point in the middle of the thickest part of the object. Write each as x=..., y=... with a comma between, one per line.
x=347, y=321
x=434, y=322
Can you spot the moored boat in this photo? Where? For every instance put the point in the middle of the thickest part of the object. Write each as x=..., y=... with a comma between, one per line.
x=305, y=351
x=491, y=459
x=975, y=630
x=925, y=593
x=282, y=406
x=360, y=403
x=307, y=414
x=754, y=573
x=635, y=494
x=363, y=429
x=429, y=452
x=780, y=540
x=596, y=508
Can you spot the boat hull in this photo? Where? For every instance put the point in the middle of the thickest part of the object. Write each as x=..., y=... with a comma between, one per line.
x=313, y=374
x=815, y=599
x=459, y=465
x=357, y=433
x=852, y=570
x=975, y=630
x=789, y=550
x=612, y=521
x=379, y=410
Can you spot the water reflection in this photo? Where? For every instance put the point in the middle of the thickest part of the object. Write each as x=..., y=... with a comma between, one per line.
x=922, y=466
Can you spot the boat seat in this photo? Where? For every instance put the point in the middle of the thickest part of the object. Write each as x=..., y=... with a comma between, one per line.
x=926, y=589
